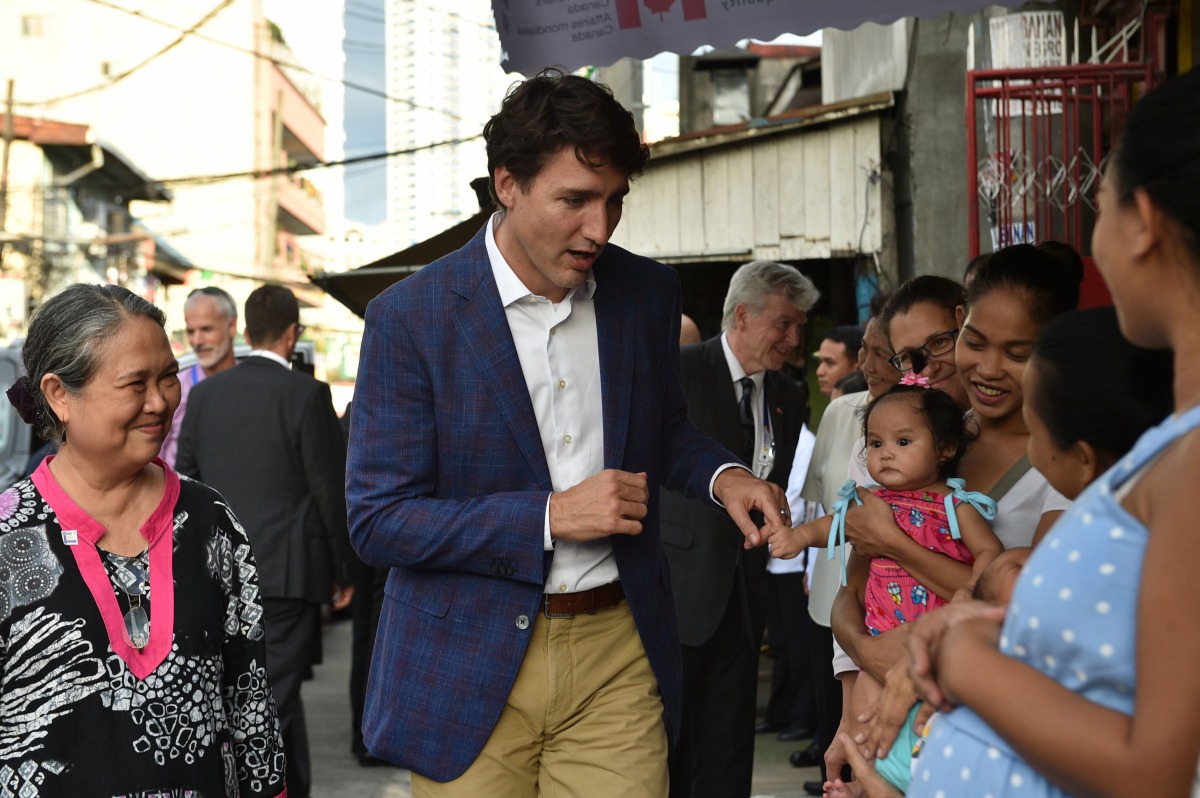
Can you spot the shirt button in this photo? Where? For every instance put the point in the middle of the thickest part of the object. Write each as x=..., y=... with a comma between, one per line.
x=566, y=439
x=562, y=384
x=562, y=588
x=553, y=330
x=522, y=621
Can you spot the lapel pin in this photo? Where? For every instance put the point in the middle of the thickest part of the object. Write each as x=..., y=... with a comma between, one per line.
x=70, y=537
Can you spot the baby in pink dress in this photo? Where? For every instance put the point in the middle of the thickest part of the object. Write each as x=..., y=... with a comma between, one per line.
x=914, y=439
x=893, y=595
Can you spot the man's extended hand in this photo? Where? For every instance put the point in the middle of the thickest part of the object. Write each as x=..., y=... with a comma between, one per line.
x=609, y=503
x=740, y=492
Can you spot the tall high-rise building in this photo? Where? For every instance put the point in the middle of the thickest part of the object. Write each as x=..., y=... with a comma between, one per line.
x=444, y=75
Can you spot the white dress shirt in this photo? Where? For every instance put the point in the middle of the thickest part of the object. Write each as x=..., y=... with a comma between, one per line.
x=762, y=427
x=559, y=351
x=270, y=356
x=802, y=511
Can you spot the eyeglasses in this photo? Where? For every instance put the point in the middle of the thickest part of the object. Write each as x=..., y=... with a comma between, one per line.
x=130, y=574
x=300, y=328
x=916, y=359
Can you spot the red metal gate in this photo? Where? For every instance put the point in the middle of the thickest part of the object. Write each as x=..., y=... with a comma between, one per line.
x=1045, y=135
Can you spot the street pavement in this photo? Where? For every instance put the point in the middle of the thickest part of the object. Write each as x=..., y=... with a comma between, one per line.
x=337, y=774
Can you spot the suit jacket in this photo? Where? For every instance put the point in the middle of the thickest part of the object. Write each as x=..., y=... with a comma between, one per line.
x=268, y=440
x=709, y=565
x=448, y=486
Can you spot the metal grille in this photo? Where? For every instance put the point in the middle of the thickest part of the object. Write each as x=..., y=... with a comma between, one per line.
x=1037, y=144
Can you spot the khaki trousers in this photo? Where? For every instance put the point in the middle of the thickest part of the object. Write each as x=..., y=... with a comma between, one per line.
x=584, y=719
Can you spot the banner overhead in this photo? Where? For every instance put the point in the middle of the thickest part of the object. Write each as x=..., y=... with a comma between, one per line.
x=574, y=33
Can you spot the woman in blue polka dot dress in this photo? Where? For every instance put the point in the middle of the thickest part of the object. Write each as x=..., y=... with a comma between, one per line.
x=1072, y=444
x=1091, y=685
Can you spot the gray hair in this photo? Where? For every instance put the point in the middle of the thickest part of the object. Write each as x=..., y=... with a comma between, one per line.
x=224, y=302
x=757, y=280
x=66, y=338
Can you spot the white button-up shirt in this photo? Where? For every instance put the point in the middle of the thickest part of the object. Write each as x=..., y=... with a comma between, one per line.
x=559, y=351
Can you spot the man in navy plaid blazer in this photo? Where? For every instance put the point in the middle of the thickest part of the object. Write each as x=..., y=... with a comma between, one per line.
x=516, y=410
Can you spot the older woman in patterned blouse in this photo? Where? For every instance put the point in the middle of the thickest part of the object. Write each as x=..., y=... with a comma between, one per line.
x=131, y=645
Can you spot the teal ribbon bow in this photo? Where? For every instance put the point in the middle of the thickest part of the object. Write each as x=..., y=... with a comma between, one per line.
x=837, y=530
x=980, y=501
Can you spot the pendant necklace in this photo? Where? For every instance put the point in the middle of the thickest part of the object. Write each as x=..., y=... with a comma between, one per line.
x=133, y=579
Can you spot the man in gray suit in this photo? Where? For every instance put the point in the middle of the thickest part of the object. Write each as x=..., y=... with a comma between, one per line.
x=268, y=439
x=737, y=395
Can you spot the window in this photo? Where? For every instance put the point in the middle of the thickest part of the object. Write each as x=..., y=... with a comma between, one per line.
x=32, y=26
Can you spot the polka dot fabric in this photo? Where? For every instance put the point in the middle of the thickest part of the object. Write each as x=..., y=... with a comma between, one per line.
x=1073, y=617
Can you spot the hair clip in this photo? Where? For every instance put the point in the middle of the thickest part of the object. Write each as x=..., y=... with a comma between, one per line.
x=912, y=378
x=20, y=396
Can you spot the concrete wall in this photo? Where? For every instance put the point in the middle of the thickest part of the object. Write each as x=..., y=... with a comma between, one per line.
x=931, y=201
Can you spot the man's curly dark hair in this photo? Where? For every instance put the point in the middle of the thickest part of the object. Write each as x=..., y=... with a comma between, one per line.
x=550, y=111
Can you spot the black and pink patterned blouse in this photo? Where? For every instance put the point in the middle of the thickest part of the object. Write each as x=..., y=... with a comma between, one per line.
x=85, y=713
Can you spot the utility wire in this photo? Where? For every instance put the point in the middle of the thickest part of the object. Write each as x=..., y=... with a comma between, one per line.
x=122, y=75
x=287, y=170
x=266, y=56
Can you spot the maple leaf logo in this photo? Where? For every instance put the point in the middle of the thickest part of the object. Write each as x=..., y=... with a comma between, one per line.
x=659, y=7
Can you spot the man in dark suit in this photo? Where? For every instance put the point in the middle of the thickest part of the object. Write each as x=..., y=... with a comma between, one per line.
x=736, y=394
x=268, y=439
x=516, y=409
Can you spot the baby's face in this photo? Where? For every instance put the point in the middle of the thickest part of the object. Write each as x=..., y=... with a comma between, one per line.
x=901, y=452
x=1000, y=576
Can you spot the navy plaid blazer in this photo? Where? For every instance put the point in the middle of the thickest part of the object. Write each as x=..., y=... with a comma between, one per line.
x=447, y=486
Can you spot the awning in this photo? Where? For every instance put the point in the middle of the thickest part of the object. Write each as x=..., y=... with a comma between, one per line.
x=111, y=172
x=576, y=33
x=357, y=287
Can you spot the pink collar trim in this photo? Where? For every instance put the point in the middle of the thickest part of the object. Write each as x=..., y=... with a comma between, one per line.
x=157, y=529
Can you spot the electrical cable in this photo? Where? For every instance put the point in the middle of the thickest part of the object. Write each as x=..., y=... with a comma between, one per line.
x=287, y=170
x=304, y=70
x=122, y=75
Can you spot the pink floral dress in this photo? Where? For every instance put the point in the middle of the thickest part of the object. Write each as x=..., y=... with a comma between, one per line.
x=893, y=595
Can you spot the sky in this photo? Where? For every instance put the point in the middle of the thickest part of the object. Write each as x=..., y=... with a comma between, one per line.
x=366, y=117
x=366, y=184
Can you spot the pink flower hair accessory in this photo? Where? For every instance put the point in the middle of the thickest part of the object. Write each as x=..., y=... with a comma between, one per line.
x=912, y=378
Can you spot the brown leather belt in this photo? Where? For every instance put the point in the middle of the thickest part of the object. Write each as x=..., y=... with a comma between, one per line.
x=568, y=605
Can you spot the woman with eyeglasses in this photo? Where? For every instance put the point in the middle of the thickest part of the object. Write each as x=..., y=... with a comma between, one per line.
x=973, y=345
x=921, y=324
x=132, y=656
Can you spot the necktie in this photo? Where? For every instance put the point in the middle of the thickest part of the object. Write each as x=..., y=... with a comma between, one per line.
x=746, y=414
